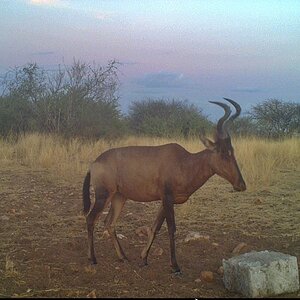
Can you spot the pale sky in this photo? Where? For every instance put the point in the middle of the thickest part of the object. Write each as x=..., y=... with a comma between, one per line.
x=196, y=50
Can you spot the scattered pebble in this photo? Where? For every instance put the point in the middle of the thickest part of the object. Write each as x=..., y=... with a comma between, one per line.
x=143, y=231
x=207, y=276
x=238, y=248
x=121, y=236
x=257, y=201
x=193, y=236
x=158, y=251
x=220, y=270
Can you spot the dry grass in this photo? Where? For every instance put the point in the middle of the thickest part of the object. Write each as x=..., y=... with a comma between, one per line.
x=260, y=160
x=10, y=268
x=44, y=233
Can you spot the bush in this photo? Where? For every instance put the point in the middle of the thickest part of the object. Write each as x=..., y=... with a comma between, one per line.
x=80, y=100
x=166, y=118
x=275, y=118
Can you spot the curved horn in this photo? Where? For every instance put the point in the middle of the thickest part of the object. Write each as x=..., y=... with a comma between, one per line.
x=220, y=129
x=237, y=107
x=237, y=113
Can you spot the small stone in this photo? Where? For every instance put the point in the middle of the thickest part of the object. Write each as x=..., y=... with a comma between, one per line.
x=106, y=234
x=207, y=276
x=158, y=251
x=237, y=250
x=143, y=231
x=198, y=280
x=4, y=218
x=121, y=236
x=221, y=270
x=215, y=244
x=193, y=236
x=257, y=201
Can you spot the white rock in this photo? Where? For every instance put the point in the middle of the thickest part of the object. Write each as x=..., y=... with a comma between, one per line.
x=261, y=274
x=193, y=235
x=121, y=236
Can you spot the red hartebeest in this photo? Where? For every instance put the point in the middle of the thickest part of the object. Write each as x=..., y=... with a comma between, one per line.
x=151, y=173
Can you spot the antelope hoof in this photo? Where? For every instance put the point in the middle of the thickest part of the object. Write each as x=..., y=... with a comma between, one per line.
x=123, y=259
x=93, y=261
x=177, y=273
x=144, y=263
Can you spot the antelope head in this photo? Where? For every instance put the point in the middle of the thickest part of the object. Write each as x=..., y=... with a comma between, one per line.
x=223, y=161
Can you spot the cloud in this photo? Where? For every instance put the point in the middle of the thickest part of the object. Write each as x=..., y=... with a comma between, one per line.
x=43, y=53
x=163, y=80
x=129, y=63
x=91, y=13
x=247, y=90
x=102, y=15
x=48, y=2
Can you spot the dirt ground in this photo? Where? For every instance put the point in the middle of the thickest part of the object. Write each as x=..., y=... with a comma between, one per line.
x=43, y=239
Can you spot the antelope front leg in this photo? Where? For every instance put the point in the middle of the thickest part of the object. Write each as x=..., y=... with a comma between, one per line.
x=168, y=205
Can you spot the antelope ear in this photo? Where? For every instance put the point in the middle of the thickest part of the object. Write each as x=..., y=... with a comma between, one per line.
x=208, y=143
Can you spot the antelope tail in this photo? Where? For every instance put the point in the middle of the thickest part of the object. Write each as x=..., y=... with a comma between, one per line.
x=86, y=193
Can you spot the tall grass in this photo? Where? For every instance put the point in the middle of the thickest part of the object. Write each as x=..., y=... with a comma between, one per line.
x=260, y=160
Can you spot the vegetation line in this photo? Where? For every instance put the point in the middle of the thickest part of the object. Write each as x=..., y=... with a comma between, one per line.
x=82, y=100
x=260, y=159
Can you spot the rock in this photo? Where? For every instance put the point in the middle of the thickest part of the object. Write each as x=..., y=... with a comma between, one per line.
x=257, y=201
x=238, y=248
x=215, y=244
x=158, y=251
x=193, y=236
x=143, y=231
x=207, y=276
x=261, y=274
x=106, y=234
x=221, y=271
x=121, y=236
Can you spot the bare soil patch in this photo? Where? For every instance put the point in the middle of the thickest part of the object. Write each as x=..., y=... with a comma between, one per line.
x=43, y=240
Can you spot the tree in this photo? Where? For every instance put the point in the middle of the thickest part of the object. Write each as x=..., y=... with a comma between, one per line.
x=243, y=126
x=166, y=118
x=80, y=100
x=275, y=118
